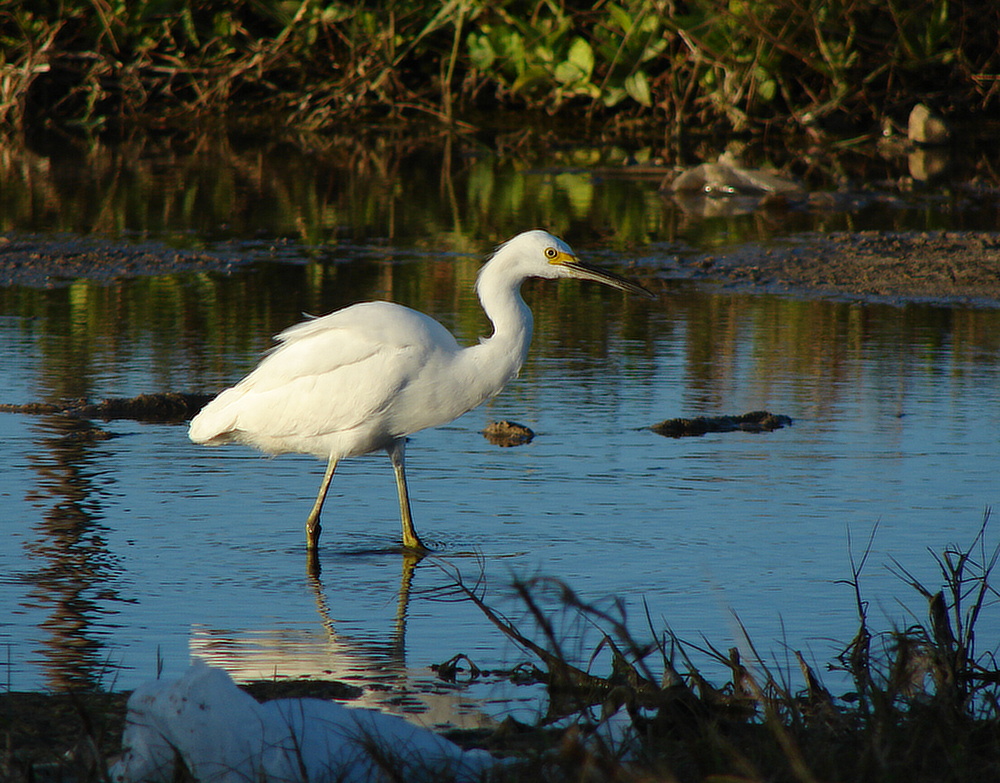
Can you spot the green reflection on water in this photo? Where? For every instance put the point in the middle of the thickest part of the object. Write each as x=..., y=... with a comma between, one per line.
x=400, y=190
x=199, y=331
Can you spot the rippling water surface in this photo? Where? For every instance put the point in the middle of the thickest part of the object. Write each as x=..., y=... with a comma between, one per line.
x=129, y=553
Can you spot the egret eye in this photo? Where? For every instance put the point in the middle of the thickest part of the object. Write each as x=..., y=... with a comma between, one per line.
x=551, y=253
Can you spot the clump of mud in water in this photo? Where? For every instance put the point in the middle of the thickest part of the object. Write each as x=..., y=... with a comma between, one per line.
x=756, y=421
x=507, y=433
x=165, y=407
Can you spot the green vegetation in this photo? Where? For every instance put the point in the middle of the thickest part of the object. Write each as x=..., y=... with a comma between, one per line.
x=101, y=64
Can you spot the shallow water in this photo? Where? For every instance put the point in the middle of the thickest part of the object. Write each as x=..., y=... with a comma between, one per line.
x=128, y=554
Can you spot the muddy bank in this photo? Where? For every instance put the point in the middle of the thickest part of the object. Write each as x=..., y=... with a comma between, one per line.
x=46, y=262
x=950, y=267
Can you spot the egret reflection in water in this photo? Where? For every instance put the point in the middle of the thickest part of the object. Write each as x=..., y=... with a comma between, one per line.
x=375, y=662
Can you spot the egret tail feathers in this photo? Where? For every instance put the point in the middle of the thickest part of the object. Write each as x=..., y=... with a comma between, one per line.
x=216, y=422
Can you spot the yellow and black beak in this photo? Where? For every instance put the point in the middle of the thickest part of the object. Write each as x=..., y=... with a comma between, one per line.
x=582, y=271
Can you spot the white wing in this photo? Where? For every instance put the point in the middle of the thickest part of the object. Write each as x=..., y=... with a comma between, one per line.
x=335, y=374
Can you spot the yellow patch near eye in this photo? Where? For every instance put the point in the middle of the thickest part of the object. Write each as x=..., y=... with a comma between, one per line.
x=557, y=256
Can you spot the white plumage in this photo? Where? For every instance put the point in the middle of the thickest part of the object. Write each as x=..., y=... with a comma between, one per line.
x=364, y=377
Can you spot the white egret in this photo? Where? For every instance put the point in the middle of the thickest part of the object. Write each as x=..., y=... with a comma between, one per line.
x=363, y=378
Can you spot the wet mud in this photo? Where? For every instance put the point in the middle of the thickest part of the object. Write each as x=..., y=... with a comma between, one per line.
x=755, y=421
x=47, y=262
x=162, y=407
x=508, y=433
x=948, y=267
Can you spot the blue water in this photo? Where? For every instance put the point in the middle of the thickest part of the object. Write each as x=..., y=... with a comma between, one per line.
x=129, y=554
x=126, y=555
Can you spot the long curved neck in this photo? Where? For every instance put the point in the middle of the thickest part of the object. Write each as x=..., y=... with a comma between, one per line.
x=500, y=296
x=499, y=357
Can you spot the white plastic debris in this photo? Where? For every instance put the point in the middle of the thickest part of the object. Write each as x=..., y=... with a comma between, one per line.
x=220, y=734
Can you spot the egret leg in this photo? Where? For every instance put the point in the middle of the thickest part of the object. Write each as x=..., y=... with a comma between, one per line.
x=397, y=453
x=313, y=528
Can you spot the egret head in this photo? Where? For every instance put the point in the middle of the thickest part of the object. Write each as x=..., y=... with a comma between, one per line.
x=539, y=254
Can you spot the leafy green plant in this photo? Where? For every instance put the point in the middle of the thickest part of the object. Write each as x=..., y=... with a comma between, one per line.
x=711, y=63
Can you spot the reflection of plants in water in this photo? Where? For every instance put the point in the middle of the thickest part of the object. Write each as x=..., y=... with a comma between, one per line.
x=309, y=197
x=404, y=190
x=196, y=332
x=73, y=571
x=740, y=339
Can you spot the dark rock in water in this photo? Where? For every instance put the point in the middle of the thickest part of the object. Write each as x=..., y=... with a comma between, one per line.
x=165, y=407
x=507, y=433
x=85, y=435
x=756, y=421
